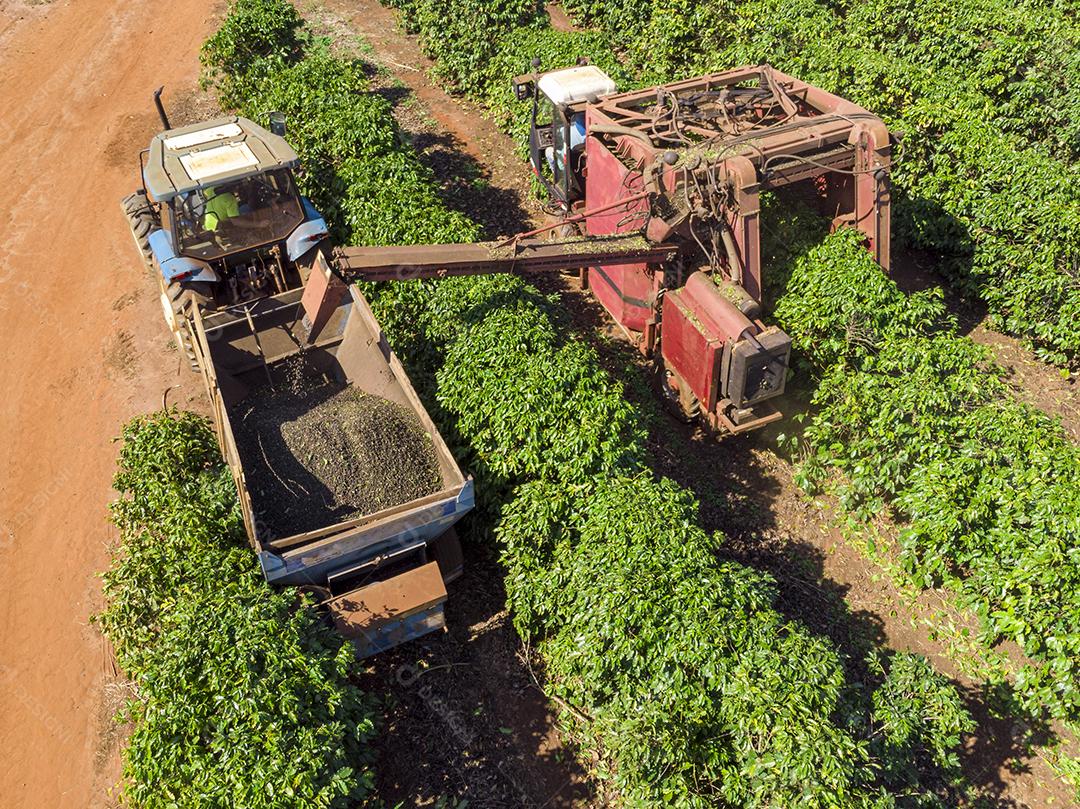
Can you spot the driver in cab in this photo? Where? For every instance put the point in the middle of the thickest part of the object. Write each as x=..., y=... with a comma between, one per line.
x=220, y=207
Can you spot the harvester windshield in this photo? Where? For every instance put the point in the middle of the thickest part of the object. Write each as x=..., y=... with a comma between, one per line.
x=236, y=216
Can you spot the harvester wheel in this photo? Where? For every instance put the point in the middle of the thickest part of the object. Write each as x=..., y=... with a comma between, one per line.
x=570, y=230
x=142, y=221
x=691, y=406
x=677, y=398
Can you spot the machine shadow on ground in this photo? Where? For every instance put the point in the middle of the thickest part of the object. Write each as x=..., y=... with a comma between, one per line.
x=463, y=183
x=915, y=270
x=465, y=717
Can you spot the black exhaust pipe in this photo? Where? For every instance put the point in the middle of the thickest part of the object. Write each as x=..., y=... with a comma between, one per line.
x=277, y=123
x=161, y=108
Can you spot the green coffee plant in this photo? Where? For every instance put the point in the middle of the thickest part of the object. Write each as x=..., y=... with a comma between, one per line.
x=954, y=170
x=243, y=696
x=255, y=35
x=532, y=404
x=1021, y=58
x=917, y=716
x=918, y=419
x=464, y=35
x=720, y=696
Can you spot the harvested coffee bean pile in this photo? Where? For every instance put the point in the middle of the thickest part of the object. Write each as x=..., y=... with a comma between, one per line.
x=318, y=452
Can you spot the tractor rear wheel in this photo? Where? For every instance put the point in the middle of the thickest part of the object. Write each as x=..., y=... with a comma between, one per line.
x=141, y=220
x=179, y=300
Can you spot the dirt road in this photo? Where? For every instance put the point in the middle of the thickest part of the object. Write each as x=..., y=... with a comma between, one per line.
x=84, y=349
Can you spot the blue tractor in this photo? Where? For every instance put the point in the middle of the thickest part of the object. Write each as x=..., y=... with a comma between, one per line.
x=219, y=219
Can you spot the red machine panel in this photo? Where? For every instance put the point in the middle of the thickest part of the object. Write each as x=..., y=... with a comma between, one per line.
x=627, y=292
x=690, y=349
x=698, y=322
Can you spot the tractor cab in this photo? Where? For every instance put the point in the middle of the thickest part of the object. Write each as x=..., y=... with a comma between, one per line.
x=557, y=134
x=219, y=218
x=232, y=217
x=230, y=221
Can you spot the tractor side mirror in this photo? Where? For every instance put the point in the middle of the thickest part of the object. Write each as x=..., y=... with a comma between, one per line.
x=524, y=87
x=277, y=123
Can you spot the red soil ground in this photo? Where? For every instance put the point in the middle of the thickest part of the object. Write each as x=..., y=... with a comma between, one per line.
x=85, y=348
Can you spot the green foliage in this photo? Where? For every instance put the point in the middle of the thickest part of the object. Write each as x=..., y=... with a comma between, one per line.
x=243, y=697
x=1022, y=58
x=530, y=403
x=464, y=35
x=917, y=716
x=696, y=690
x=696, y=686
x=254, y=35
x=914, y=417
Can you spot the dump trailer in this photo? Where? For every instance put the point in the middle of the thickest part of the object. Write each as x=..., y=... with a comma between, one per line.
x=382, y=575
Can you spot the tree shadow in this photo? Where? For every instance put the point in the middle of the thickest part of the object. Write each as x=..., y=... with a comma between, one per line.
x=1004, y=739
x=478, y=727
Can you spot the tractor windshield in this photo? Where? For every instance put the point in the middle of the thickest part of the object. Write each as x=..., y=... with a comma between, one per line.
x=236, y=216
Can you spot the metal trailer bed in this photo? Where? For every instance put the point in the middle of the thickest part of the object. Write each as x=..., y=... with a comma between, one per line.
x=381, y=575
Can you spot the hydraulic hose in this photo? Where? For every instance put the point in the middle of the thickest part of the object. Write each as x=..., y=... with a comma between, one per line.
x=615, y=129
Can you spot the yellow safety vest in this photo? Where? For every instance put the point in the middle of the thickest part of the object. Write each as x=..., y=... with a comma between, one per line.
x=219, y=208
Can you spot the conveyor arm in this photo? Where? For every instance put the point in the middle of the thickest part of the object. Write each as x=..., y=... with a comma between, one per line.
x=403, y=263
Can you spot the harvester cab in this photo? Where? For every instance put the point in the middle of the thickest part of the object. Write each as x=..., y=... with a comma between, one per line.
x=219, y=217
x=557, y=131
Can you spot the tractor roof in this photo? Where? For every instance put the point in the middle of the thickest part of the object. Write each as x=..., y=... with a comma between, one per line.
x=207, y=154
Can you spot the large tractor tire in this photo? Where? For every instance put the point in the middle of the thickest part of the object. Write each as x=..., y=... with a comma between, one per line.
x=178, y=301
x=676, y=396
x=141, y=220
